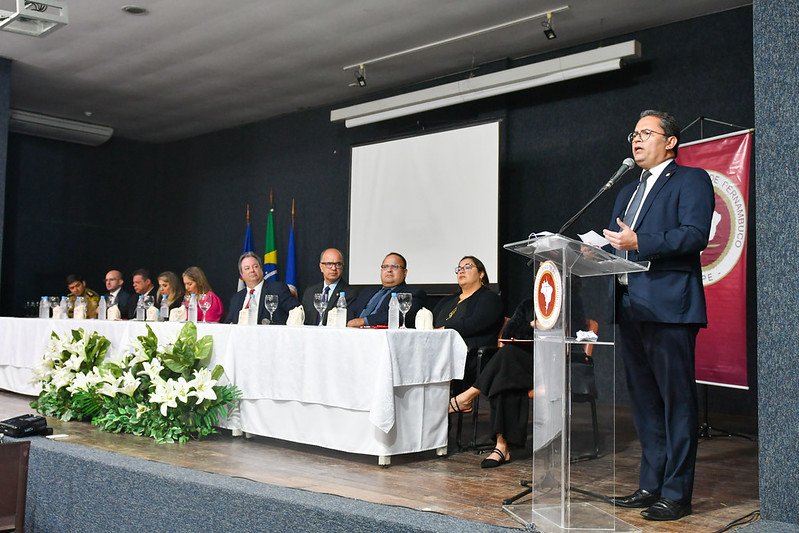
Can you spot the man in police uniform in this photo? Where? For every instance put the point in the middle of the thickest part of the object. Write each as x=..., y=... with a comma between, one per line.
x=77, y=287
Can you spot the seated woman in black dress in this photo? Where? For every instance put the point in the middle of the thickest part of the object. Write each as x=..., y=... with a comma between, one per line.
x=506, y=380
x=475, y=312
x=171, y=288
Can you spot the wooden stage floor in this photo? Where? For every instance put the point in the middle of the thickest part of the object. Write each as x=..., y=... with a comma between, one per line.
x=726, y=485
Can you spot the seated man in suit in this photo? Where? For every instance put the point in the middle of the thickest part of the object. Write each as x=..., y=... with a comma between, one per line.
x=143, y=285
x=331, y=263
x=370, y=308
x=252, y=272
x=115, y=295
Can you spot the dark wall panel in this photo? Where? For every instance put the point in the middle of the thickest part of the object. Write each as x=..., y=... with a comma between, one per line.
x=5, y=92
x=74, y=208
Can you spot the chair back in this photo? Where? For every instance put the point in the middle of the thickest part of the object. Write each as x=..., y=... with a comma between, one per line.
x=14, y=485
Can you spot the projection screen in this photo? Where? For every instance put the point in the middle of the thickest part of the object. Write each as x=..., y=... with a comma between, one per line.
x=433, y=198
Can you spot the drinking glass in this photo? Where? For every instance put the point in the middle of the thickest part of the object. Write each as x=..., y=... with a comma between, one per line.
x=405, y=299
x=320, y=304
x=147, y=302
x=54, y=302
x=270, y=302
x=204, y=303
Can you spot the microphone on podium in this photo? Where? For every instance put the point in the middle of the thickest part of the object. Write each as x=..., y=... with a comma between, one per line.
x=626, y=165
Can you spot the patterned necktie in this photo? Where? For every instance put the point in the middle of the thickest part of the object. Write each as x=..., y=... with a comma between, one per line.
x=629, y=216
x=252, y=291
x=324, y=299
x=632, y=210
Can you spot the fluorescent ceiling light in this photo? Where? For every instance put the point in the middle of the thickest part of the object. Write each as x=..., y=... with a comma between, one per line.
x=57, y=128
x=36, y=18
x=543, y=73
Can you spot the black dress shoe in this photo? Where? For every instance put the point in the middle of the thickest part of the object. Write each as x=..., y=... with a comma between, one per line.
x=639, y=499
x=665, y=509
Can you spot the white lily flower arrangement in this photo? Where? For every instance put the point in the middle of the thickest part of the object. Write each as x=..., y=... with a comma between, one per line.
x=164, y=391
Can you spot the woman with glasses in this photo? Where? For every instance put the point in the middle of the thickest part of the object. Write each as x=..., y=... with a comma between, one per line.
x=475, y=312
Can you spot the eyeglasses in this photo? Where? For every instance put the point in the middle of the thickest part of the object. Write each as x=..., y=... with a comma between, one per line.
x=464, y=268
x=393, y=266
x=644, y=135
x=331, y=264
x=112, y=279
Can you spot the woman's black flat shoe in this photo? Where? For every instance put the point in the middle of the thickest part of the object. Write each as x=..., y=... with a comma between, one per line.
x=493, y=463
x=455, y=408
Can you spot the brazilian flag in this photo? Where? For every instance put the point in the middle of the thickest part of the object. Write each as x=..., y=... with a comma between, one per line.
x=270, y=250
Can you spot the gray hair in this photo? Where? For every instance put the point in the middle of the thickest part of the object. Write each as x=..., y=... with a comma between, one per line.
x=245, y=255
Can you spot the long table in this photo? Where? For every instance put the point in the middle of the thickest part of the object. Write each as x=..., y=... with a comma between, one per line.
x=369, y=391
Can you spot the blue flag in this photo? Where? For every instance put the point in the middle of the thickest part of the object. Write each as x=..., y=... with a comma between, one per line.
x=248, y=247
x=291, y=264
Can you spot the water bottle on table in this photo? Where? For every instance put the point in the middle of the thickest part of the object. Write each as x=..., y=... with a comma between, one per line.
x=252, y=311
x=163, y=314
x=393, y=312
x=102, y=308
x=44, y=308
x=341, y=310
x=140, y=309
x=192, y=315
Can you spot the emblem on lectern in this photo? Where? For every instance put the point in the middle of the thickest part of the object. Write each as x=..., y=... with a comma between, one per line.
x=547, y=295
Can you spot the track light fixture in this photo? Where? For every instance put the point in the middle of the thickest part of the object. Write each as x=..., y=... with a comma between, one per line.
x=360, y=77
x=547, y=24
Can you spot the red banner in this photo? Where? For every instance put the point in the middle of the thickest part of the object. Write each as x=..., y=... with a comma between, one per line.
x=721, y=348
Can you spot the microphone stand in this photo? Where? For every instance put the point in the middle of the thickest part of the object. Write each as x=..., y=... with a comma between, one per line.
x=626, y=166
x=581, y=211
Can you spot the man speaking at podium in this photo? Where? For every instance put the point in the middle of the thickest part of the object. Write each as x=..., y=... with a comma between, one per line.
x=663, y=218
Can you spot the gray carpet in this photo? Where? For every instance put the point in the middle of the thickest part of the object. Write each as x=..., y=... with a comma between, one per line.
x=769, y=526
x=75, y=488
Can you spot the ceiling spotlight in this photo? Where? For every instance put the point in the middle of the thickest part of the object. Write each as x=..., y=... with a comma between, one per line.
x=135, y=10
x=547, y=24
x=360, y=77
x=38, y=18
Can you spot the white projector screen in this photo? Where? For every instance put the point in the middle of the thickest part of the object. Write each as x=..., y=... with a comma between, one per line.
x=433, y=198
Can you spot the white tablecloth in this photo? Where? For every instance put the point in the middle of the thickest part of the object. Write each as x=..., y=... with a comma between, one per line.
x=379, y=392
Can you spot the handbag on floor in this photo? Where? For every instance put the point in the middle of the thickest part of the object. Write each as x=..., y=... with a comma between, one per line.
x=25, y=426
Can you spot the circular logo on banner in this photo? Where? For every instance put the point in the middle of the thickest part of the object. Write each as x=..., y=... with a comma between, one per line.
x=547, y=295
x=727, y=230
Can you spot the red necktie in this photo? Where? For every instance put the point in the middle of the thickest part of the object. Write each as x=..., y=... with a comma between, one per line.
x=252, y=291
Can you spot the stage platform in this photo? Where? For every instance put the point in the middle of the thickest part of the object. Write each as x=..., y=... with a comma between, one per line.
x=104, y=481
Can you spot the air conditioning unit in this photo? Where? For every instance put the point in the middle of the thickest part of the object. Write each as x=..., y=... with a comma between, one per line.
x=60, y=129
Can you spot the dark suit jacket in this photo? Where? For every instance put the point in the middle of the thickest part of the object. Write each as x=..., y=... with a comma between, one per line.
x=285, y=303
x=123, y=301
x=673, y=227
x=311, y=316
x=380, y=315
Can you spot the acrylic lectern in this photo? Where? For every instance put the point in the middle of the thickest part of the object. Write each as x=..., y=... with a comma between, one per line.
x=561, y=501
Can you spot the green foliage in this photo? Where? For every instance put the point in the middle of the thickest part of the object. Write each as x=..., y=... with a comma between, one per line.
x=159, y=392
